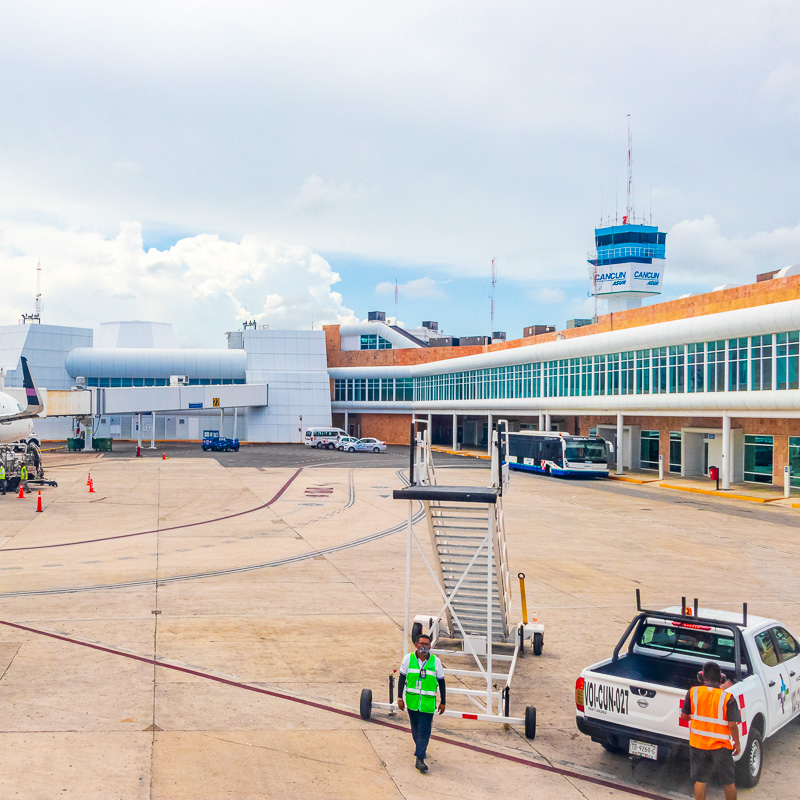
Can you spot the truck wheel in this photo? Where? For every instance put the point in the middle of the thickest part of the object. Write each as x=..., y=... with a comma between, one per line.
x=416, y=630
x=538, y=643
x=530, y=722
x=748, y=767
x=365, y=706
x=319, y=445
x=331, y=446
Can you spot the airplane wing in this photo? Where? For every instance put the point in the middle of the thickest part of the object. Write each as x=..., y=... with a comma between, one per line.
x=35, y=405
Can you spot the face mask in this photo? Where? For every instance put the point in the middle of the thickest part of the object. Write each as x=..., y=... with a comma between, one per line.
x=425, y=649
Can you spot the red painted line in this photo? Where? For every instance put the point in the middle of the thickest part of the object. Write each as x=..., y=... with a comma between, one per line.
x=566, y=773
x=161, y=530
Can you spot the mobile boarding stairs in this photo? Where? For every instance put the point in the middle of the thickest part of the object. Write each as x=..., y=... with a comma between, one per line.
x=470, y=570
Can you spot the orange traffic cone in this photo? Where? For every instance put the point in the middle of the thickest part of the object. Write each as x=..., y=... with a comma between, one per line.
x=91, y=489
x=89, y=480
x=39, y=503
x=163, y=456
x=21, y=495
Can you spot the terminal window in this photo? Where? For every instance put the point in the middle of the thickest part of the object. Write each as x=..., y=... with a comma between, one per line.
x=758, y=459
x=648, y=455
x=372, y=341
x=674, y=451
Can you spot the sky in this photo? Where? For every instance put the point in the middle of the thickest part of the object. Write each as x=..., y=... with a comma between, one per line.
x=289, y=162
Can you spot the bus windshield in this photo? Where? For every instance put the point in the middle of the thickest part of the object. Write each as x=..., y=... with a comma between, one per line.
x=586, y=451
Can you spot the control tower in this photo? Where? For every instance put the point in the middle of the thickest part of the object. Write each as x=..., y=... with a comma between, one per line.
x=628, y=262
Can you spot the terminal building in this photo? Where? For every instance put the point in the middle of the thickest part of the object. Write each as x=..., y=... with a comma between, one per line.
x=705, y=380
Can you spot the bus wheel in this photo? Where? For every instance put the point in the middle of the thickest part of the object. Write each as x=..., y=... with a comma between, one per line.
x=547, y=470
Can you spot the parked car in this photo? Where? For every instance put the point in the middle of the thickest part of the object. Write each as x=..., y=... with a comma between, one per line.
x=345, y=442
x=364, y=445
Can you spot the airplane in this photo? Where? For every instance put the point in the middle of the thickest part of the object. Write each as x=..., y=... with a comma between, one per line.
x=16, y=423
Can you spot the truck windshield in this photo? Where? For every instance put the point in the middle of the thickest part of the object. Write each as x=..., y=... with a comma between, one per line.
x=683, y=640
x=586, y=451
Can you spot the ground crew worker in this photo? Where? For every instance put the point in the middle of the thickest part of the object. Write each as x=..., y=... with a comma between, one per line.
x=713, y=732
x=2, y=478
x=23, y=477
x=421, y=673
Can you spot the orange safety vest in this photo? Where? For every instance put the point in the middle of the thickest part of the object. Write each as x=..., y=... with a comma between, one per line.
x=708, y=729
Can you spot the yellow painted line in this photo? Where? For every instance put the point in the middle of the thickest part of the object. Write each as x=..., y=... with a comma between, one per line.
x=714, y=493
x=626, y=479
x=464, y=453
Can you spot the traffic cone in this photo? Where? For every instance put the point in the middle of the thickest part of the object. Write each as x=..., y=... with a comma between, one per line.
x=21, y=495
x=89, y=480
x=91, y=489
x=39, y=503
x=163, y=456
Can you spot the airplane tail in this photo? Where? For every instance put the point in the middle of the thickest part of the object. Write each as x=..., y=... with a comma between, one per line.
x=35, y=404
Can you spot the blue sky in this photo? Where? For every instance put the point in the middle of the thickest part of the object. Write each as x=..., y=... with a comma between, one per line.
x=280, y=161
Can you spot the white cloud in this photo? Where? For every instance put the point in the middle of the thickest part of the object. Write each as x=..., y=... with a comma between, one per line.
x=420, y=288
x=698, y=252
x=317, y=195
x=548, y=295
x=203, y=284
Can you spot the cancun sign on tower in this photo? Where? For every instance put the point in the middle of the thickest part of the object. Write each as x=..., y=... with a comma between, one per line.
x=626, y=278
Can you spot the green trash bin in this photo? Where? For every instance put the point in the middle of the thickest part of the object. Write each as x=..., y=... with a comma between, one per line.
x=75, y=444
x=102, y=445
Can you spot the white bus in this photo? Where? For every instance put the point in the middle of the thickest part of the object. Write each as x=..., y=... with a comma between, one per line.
x=557, y=453
x=323, y=437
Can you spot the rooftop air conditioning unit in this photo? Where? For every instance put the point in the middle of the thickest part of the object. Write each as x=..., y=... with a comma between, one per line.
x=178, y=380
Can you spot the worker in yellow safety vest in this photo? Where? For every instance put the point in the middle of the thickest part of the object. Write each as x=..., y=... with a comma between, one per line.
x=713, y=716
x=421, y=674
x=23, y=477
x=2, y=478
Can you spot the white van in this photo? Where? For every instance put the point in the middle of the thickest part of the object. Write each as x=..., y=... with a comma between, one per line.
x=323, y=437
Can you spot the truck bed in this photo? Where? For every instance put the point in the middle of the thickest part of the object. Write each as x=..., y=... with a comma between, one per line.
x=663, y=671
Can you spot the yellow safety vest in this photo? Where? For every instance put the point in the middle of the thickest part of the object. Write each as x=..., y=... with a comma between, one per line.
x=23, y=473
x=708, y=729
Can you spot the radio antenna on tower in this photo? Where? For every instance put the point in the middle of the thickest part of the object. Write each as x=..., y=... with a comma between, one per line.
x=396, y=297
x=630, y=212
x=37, y=306
x=494, y=283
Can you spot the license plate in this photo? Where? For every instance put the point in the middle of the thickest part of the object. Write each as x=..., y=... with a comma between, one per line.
x=643, y=749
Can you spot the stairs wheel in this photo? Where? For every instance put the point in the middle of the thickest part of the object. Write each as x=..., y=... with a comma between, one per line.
x=530, y=722
x=538, y=643
x=416, y=630
x=365, y=706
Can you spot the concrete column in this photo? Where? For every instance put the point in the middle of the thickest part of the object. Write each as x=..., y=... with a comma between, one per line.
x=547, y=421
x=541, y=420
x=221, y=421
x=153, y=430
x=455, y=431
x=727, y=457
x=346, y=418
x=236, y=420
x=139, y=430
x=620, y=434
x=489, y=436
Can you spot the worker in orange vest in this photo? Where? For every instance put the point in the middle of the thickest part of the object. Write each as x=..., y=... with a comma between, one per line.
x=713, y=716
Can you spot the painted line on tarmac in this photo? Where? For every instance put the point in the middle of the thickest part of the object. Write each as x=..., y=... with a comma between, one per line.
x=161, y=530
x=566, y=773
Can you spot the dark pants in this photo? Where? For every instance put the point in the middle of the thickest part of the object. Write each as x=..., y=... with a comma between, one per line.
x=421, y=731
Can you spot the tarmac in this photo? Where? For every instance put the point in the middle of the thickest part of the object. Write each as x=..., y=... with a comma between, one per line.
x=202, y=626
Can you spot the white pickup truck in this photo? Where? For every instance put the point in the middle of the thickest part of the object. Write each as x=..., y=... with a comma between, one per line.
x=631, y=702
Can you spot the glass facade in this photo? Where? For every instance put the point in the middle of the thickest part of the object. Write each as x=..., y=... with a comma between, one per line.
x=674, y=451
x=758, y=459
x=794, y=460
x=372, y=341
x=114, y=383
x=648, y=450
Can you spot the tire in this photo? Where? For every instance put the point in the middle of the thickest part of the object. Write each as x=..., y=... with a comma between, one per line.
x=376, y=449
x=319, y=445
x=351, y=449
x=547, y=470
x=530, y=722
x=331, y=446
x=416, y=630
x=204, y=448
x=365, y=706
x=537, y=643
x=615, y=749
x=748, y=767
x=340, y=448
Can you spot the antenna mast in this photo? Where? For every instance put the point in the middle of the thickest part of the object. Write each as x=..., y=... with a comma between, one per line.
x=629, y=211
x=38, y=305
x=494, y=283
x=396, y=297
